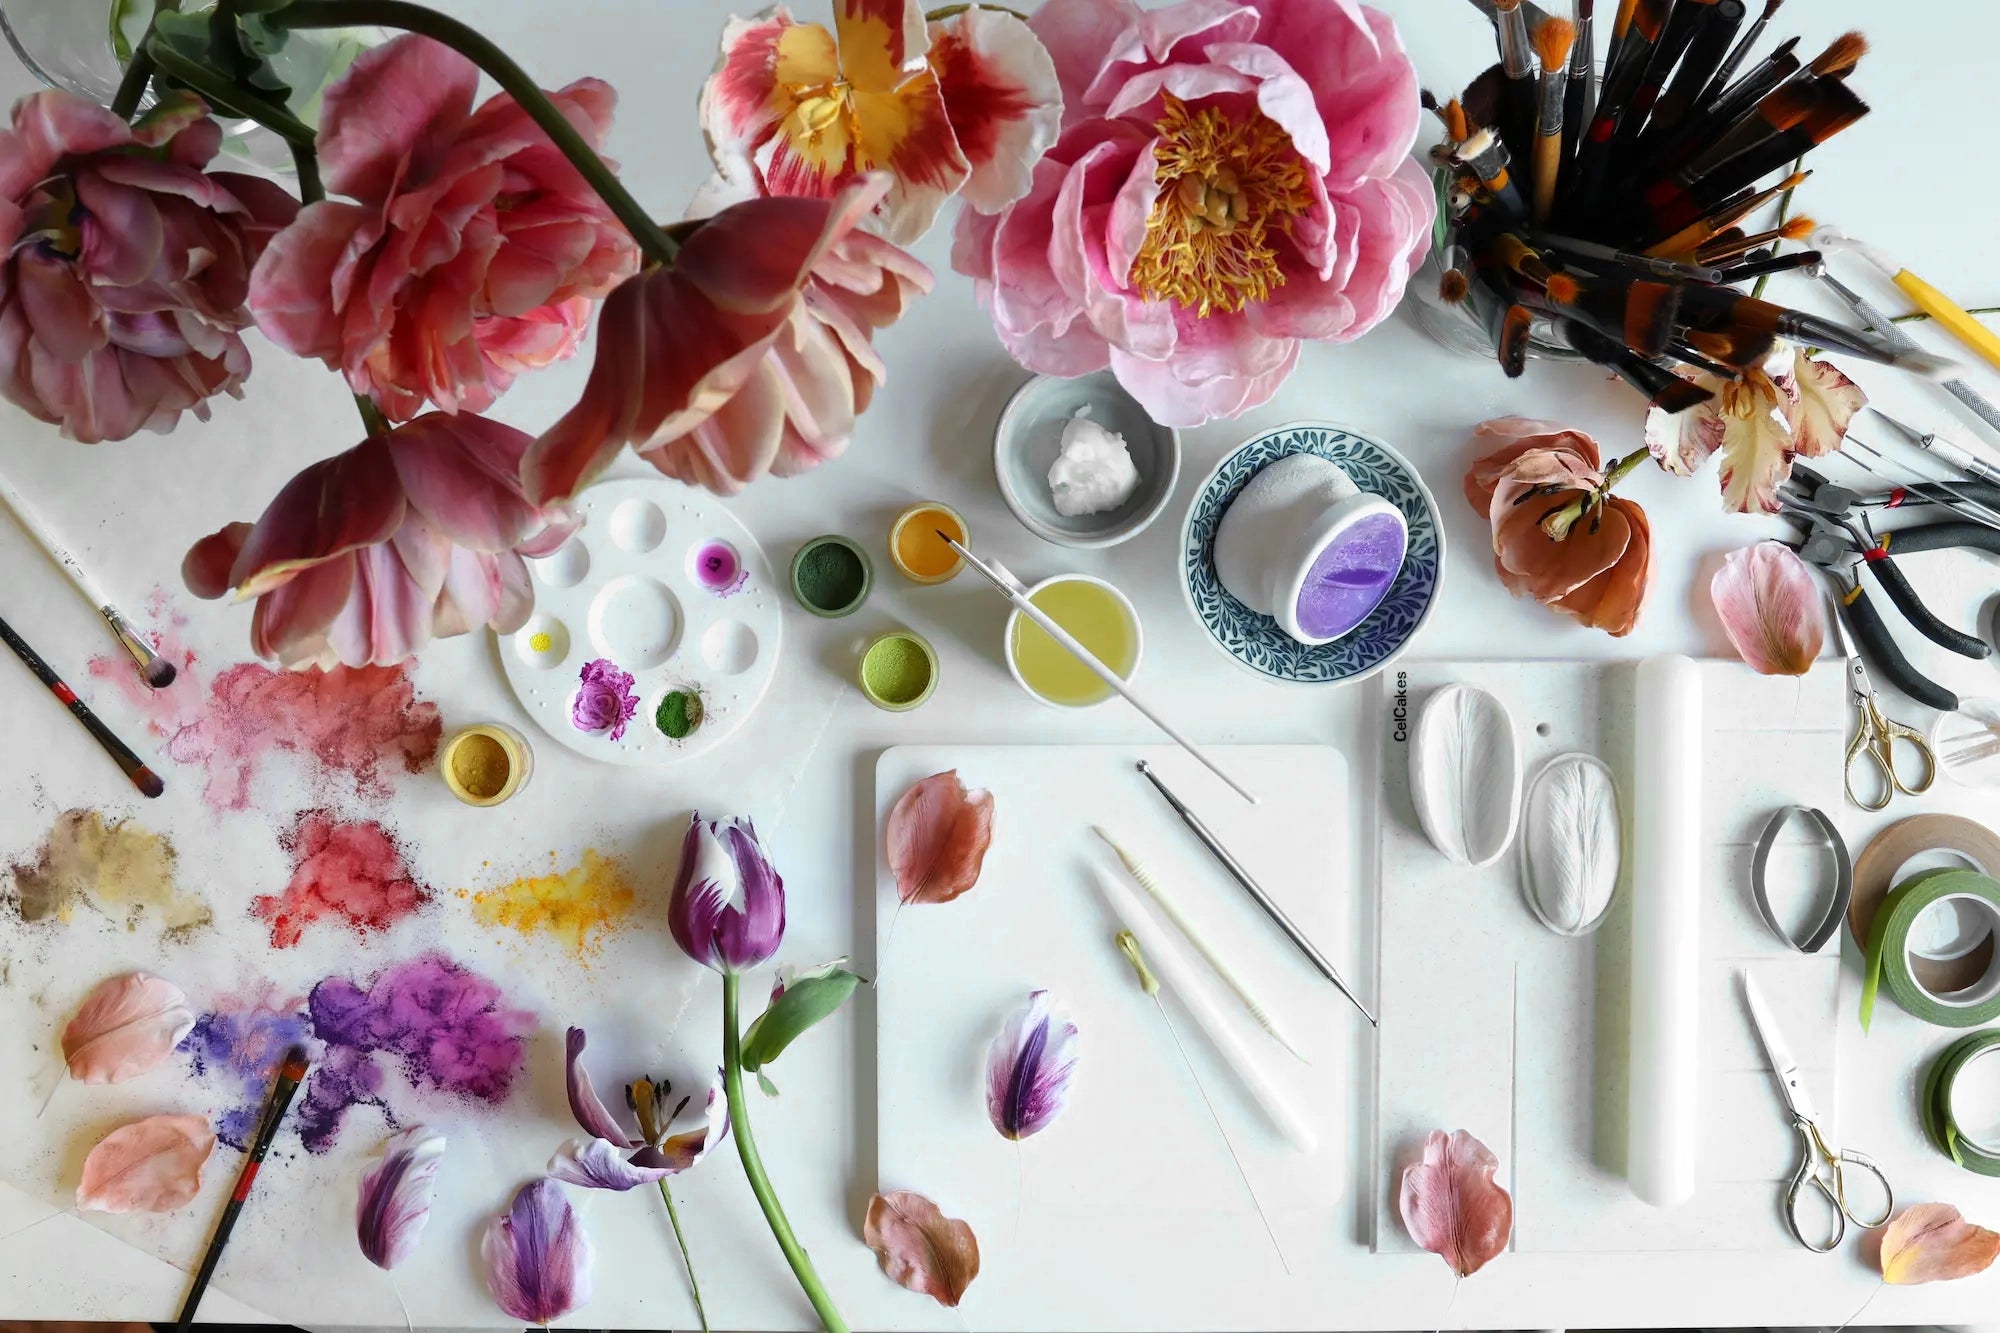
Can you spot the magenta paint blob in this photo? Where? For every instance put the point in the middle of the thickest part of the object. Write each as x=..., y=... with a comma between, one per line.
x=1351, y=576
x=719, y=569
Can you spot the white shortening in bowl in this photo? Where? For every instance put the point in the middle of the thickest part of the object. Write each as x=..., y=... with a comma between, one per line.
x=668, y=585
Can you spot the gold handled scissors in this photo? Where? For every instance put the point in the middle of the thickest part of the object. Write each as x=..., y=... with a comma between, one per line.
x=1821, y=1166
x=1875, y=736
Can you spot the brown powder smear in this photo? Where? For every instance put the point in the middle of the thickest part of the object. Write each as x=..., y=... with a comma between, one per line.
x=120, y=868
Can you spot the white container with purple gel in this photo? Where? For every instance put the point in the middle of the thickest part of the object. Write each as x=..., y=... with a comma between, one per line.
x=1305, y=546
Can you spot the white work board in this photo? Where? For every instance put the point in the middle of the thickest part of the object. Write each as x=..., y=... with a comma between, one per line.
x=1096, y=1221
x=1494, y=1024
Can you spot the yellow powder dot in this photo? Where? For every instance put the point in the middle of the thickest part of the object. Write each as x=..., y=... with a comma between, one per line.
x=541, y=643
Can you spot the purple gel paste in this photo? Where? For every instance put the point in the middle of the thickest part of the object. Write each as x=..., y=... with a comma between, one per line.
x=1351, y=576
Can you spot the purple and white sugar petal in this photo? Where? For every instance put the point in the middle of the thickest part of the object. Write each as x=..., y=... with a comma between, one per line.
x=537, y=1257
x=591, y=1115
x=683, y=1151
x=596, y=1165
x=1029, y=1068
x=396, y=1196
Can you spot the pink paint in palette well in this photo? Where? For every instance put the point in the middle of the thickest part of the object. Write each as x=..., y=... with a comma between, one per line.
x=718, y=568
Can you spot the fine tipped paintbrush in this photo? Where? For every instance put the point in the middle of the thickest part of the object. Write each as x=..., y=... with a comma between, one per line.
x=145, y=779
x=1641, y=29
x=1658, y=385
x=1517, y=64
x=1717, y=113
x=1734, y=61
x=1692, y=237
x=1612, y=257
x=1764, y=267
x=154, y=669
x=1580, y=89
x=1786, y=107
x=1672, y=204
x=290, y=1075
x=1715, y=26
x=1792, y=229
x=1552, y=44
x=1683, y=21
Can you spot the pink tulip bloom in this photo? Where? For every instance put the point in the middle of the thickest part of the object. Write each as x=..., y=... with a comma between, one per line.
x=752, y=353
x=471, y=247
x=365, y=557
x=1232, y=179
x=963, y=105
x=126, y=265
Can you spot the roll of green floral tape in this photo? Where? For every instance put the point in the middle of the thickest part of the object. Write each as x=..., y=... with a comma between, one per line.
x=1939, y=1125
x=1888, y=952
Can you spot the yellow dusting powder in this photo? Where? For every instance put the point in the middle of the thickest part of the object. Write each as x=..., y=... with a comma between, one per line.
x=541, y=643
x=579, y=906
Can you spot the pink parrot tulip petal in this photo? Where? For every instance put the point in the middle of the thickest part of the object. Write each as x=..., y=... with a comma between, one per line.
x=126, y=1027
x=537, y=1257
x=472, y=247
x=365, y=557
x=919, y=1247
x=938, y=834
x=1030, y=1067
x=396, y=1195
x=150, y=1166
x=968, y=104
x=1770, y=604
x=126, y=265
x=751, y=355
x=1264, y=197
x=1931, y=1242
x=1451, y=1204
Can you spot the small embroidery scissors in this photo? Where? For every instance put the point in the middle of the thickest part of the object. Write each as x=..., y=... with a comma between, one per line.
x=1820, y=1165
x=1875, y=735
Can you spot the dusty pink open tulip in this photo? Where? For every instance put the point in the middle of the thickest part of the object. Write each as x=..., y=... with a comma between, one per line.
x=365, y=557
x=126, y=265
x=1231, y=180
x=471, y=248
x=751, y=354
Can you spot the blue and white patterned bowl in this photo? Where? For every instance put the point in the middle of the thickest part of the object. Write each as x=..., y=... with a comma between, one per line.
x=1255, y=640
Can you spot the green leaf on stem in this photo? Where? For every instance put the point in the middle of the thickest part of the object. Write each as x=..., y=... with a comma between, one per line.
x=803, y=1003
x=764, y=1082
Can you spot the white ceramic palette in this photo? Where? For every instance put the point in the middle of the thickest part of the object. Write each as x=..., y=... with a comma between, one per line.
x=666, y=584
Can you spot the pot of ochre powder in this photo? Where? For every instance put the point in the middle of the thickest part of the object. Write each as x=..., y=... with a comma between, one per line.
x=486, y=764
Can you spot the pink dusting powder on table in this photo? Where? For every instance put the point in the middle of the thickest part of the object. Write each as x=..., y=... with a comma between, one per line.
x=345, y=873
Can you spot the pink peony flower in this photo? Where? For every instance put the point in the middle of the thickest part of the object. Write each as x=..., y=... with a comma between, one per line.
x=472, y=246
x=751, y=353
x=365, y=557
x=126, y=265
x=1231, y=179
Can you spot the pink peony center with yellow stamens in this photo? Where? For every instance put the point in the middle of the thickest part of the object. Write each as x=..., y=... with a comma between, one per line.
x=1228, y=186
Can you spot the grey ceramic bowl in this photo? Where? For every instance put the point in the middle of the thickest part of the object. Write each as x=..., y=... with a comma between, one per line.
x=1029, y=436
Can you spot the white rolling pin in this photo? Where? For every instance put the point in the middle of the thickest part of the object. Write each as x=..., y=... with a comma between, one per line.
x=1179, y=977
x=1666, y=930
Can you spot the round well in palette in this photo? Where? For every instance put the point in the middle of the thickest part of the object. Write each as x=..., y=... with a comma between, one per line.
x=916, y=550
x=899, y=670
x=831, y=576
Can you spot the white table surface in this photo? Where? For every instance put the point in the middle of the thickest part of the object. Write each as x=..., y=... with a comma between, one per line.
x=1904, y=179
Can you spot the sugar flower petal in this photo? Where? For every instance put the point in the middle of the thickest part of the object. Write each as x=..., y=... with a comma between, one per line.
x=126, y=1026
x=537, y=1257
x=683, y=1149
x=1827, y=401
x=604, y=699
x=1001, y=97
x=1770, y=608
x=938, y=835
x=1451, y=1204
x=919, y=1247
x=1029, y=1068
x=596, y=1165
x=150, y=1166
x=396, y=1195
x=590, y=1112
x=1931, y=1242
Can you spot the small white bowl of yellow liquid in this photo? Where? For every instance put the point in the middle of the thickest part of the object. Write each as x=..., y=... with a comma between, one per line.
x=1098, y=616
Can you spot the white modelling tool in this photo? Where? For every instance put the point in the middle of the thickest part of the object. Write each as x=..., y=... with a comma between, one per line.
x=1194, y=935
x=1172, y=965
x=1128, y=944
x=1664, y=1078
x=155, y=670
x=1010, y=587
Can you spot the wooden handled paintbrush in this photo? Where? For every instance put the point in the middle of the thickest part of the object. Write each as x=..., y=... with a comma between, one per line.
x=1552, y=44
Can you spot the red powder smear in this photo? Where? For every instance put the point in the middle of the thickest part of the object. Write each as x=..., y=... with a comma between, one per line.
x=348, y=873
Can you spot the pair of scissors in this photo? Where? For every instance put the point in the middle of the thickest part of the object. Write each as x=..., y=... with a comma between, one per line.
x=1875, y=736
x=1820, y=1164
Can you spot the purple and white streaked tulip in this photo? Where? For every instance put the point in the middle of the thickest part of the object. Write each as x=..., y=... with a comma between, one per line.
x=672, y=1137
x=396, y=1196
x=728, y=905
x=537, y=1256
x=1029, y=1068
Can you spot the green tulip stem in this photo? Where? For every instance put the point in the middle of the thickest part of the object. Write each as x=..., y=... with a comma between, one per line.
x=138, y=70
x=753, y=1164
x=468, y=42
x=687, y=1260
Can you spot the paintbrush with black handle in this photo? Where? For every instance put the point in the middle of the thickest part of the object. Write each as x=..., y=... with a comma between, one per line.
x=1580, y=93
x=1578, y=203
x=1682, y=21
x=1734, y=60
x=1517, y=64
x=290, y=1075
x=1660, y=387
x=1715, y=25
x=145, y=779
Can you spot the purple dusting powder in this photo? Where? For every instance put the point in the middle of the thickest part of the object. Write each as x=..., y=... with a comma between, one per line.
x=241, y=1050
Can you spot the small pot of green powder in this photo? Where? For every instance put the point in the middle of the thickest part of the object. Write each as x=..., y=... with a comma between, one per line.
x=899, y=671
x=679, y=713
x=831, y=576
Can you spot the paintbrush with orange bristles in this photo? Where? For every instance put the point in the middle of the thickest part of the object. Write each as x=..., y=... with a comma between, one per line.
x=1552, y=43
x=1792, y=229
x=1696, y=234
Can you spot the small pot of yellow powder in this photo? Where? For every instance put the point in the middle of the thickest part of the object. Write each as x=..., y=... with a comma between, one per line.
x=486, y=764
x=899, y=670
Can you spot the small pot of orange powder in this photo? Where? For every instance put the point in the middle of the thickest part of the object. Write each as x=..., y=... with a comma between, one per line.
x=915, y=548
